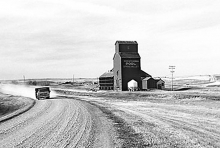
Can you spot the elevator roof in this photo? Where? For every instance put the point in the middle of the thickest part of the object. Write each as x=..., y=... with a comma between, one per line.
x=126, y=42
x=129, y=55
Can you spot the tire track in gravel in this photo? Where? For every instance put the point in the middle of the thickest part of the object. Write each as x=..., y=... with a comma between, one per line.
x=52, y=123
x=83, y=132
x=43, y=133
x=24, y=119
x=30, y=126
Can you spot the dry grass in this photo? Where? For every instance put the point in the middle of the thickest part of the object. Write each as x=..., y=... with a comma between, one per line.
x=11, y=106
x=188, y=118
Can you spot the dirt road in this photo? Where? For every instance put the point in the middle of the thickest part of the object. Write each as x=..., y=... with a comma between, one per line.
x=58, y=123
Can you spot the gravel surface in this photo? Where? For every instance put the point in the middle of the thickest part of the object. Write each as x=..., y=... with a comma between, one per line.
x=58, y=123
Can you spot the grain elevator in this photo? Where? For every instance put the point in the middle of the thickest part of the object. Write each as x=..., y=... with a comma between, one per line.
x=126, y=68
x=127, y=65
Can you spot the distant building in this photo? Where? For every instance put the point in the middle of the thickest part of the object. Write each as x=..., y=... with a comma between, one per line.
x=160, y=84
x=152, y=83
x=216, y=77
x=126, y=67
x=148, y=83
x=106, y=81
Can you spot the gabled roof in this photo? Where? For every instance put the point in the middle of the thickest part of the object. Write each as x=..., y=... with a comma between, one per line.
x=160, y=80
x=126, y=42
x=107, y=74
x=129, y=55
x=157, y=79
x=147, y=78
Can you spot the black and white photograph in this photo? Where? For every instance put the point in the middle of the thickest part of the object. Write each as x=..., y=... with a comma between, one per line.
x=109, y=74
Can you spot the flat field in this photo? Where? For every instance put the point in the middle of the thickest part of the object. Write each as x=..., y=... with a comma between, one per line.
x=188, y=118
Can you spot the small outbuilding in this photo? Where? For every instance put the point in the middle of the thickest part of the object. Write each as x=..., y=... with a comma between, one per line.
x=160, y=84
x=148, y=83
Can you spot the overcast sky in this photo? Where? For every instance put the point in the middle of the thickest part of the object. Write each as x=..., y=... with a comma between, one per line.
x=56, y=39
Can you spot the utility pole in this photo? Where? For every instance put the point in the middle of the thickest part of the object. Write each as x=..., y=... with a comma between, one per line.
x=172, y=71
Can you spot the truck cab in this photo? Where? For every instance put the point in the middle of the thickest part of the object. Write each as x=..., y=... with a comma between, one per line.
x=42, y=93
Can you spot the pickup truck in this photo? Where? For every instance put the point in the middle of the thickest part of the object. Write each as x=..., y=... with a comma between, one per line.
x=42, y=93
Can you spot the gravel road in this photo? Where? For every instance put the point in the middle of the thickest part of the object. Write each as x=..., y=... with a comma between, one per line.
x=58, y=123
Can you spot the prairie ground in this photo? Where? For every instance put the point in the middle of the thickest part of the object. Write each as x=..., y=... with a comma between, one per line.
x=159, y=119
x=188, y=118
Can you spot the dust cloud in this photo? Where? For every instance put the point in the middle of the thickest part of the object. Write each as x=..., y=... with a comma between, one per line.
x=21, y=90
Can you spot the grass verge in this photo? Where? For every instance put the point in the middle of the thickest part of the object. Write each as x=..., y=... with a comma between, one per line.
x=11, y=106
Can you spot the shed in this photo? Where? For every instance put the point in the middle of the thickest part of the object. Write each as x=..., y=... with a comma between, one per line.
x=148, y=83
x=160, y=84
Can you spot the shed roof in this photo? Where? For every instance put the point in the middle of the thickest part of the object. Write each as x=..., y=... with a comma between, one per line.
x=160, y=80
x=107, y=74
x=129, y=55
x=157, y=79
x=147, y=78
x=126, y=42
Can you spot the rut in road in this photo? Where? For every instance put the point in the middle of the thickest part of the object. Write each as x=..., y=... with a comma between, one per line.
x=58, y=123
